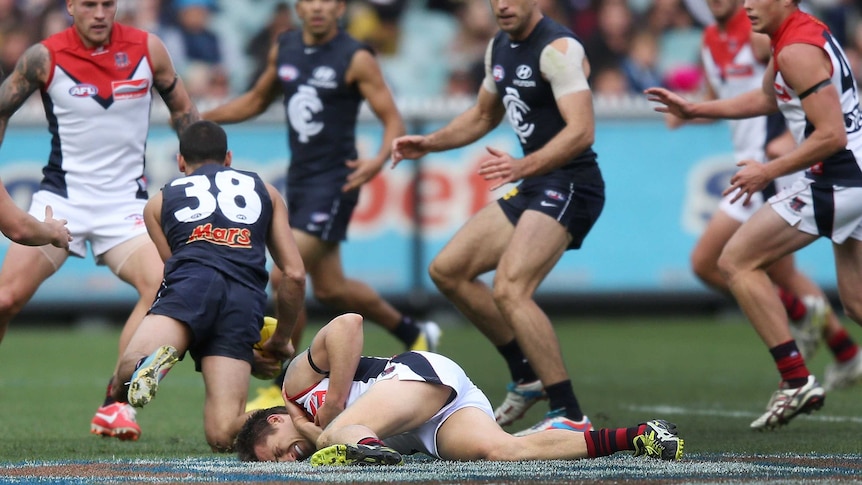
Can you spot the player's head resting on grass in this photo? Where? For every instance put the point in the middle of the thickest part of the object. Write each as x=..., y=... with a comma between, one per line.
x=203, y=142
x=261, y=425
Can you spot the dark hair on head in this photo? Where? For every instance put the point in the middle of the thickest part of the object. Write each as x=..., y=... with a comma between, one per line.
x=255, y=430
x=203, y=141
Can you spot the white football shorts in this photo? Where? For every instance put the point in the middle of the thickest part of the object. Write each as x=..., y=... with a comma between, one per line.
x=838, y=209
x=104, y=223
x=742, y=212
x=424, y=438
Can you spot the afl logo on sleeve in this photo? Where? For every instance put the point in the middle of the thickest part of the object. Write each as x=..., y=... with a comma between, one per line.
x=301, y=110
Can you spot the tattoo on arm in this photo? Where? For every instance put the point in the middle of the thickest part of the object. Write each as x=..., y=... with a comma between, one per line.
x=181, y=121
x=29, y=74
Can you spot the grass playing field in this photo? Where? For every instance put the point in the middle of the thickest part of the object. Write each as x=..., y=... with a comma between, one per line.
x=709, y=376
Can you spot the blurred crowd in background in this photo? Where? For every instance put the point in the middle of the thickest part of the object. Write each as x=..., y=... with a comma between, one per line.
x=427, y=48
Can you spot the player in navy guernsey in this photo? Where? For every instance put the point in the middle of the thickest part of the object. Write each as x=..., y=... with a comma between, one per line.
x=323, y=76
x=213, y=228
x=810, y=81
x=536, y=76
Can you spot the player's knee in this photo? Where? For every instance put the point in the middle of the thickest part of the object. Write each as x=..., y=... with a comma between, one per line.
x=853, y=309
x=220, y=439
x=328, y=295
x=10, y=303
x=443, y=278
x=497, y=451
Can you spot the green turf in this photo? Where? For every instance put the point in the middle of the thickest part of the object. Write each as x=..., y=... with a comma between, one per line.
x=710, y=376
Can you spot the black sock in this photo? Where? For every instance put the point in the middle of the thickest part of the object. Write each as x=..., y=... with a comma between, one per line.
x=407, y=331
x=561, y=396
x=519, y=367
x=109, y=397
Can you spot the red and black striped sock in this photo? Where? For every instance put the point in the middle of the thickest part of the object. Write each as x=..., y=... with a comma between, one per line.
x=109, y=396
x=795, y=308
x=371, y=441
x=842, y=346
x=790, y=364
x=608, y=441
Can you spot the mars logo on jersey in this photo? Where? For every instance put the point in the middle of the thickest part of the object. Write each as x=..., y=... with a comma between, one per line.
x=134, y=88
x=232, y=236
x=83, y=90
x=288, y=72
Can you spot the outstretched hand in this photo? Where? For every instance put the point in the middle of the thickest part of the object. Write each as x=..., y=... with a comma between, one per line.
x=501, y=166
x=671, y=102
x=60, y=235
x=409, y=147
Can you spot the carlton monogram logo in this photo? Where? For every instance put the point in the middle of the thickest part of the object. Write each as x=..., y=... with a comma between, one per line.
x=515, y=110
x=301, y=110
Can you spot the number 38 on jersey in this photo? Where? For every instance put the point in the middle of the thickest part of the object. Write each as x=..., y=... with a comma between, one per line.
x=234, y=196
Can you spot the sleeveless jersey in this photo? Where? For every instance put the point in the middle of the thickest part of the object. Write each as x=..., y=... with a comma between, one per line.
x=219, y=217
x=843, y=168
x=365, y=376
x=528, y=98
x=321, y=107
x=97, y=102
x=732, y=69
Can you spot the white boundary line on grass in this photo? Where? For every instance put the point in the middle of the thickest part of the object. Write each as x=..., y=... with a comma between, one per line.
x=665, y=409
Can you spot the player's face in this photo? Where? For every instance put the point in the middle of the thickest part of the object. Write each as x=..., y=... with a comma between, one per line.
x=285, y=444
x=515, y=17
x=93, y=19
x=766, y=15
x=320, y=17
x=723, y=10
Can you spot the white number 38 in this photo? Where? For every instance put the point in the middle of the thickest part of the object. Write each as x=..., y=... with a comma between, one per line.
x=236, y=198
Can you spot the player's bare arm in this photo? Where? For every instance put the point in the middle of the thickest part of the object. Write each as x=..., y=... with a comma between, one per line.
x=254, y=101
x=21, y=227
x=291, y=291
x=807, y=69
x=340, y=349
x=365, y=72
x=170, y=87
x=31, y=72
x=153, y=221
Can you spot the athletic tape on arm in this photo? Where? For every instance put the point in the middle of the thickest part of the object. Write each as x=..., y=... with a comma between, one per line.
x=564, y=70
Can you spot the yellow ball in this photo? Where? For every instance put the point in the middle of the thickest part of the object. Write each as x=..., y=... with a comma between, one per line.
x=266, y=331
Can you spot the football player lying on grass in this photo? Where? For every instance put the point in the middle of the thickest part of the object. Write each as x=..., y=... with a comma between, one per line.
x=342, y=408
